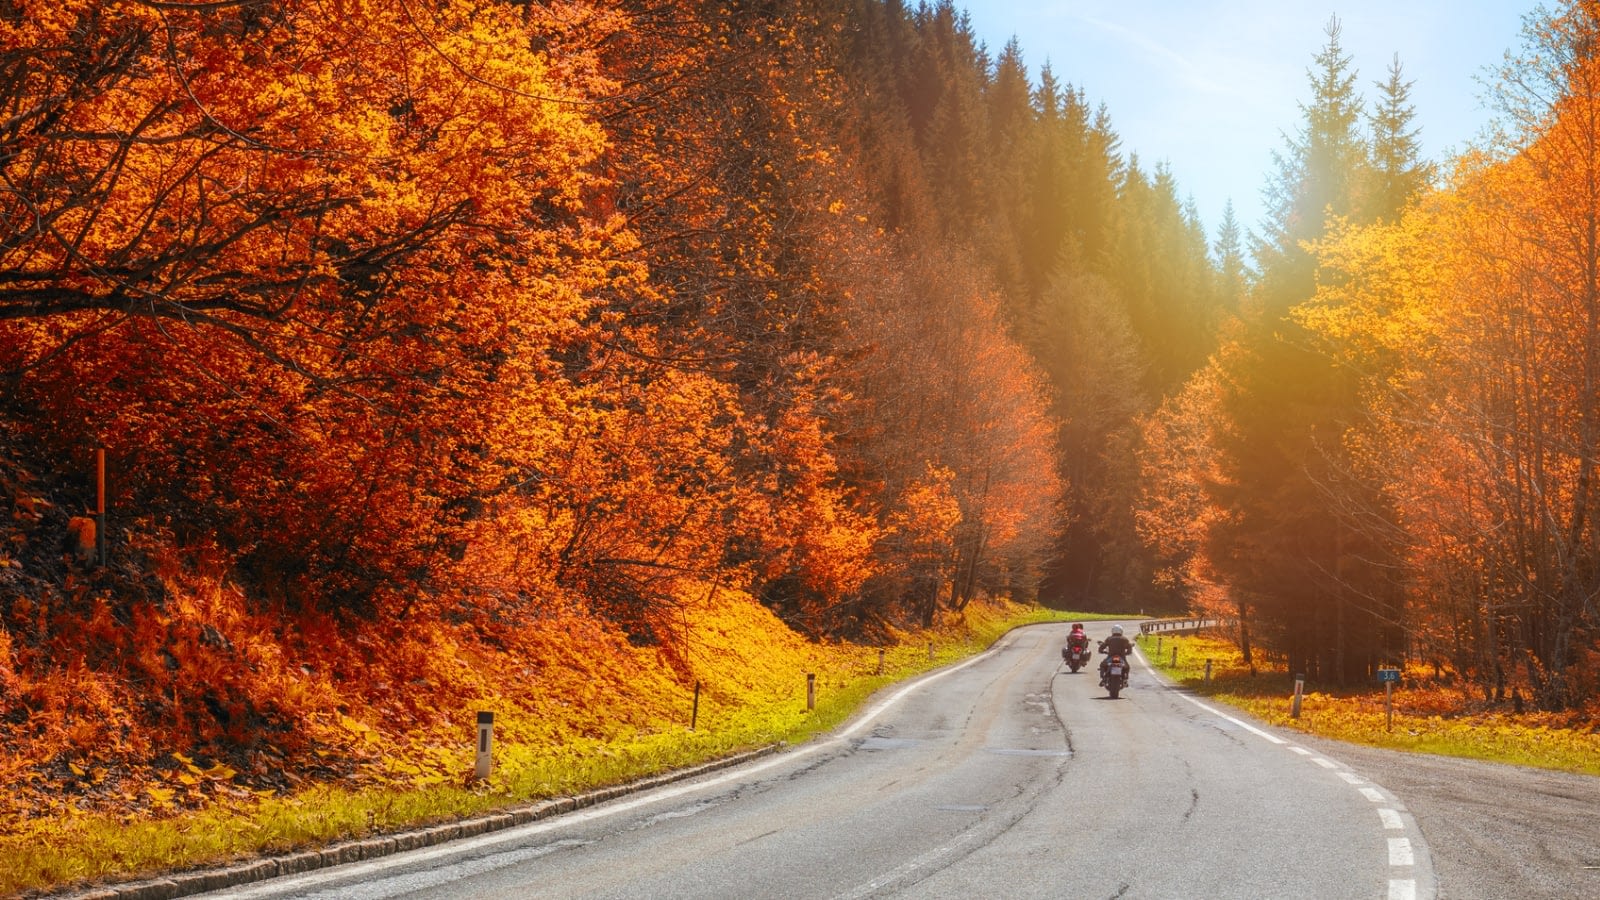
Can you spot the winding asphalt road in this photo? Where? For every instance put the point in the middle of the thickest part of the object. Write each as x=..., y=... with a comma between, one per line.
x=1007, y=776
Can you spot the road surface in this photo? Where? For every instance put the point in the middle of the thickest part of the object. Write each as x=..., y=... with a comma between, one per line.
x=1005, y=775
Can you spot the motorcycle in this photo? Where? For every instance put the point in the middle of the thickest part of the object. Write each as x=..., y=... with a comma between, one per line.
x=1076, y=653
x=1114, y=674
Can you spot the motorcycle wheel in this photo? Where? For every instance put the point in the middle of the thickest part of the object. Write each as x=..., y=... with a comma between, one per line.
x=1114, y=689
x=1074, y=667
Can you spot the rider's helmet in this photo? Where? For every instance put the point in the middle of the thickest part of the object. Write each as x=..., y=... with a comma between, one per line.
x=1116, y=629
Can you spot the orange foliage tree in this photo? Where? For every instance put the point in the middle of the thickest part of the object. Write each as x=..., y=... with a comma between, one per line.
x=1478, y=319
x=304, y=263
x=944, y=409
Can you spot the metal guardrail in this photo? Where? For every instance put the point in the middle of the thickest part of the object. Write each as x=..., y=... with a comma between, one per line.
x=1179, y=625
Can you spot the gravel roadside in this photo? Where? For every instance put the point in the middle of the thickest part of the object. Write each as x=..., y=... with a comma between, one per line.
x=1495, y=831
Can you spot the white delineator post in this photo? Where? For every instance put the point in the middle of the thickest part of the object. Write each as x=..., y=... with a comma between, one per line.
x=811, y=691
x=1299, y=688
x=485, y=745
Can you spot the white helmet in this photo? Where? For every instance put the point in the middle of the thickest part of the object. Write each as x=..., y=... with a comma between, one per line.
x=1116, y=629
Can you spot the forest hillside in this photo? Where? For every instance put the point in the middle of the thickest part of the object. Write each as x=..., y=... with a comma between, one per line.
x=366, y=362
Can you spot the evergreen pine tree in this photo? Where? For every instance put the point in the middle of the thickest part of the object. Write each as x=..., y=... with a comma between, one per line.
x=1233, y=271
x=1282, y=545
x=1399, y=171
x=1318, y=175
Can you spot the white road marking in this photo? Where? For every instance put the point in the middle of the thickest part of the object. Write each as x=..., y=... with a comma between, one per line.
x=1239, y=722
x=1402, y=889
x=1400, y=852
x=1400, y=849
x=404, y=883
x=925, y=861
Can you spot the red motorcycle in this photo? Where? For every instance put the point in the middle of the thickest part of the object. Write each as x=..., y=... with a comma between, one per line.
x=1076, y=653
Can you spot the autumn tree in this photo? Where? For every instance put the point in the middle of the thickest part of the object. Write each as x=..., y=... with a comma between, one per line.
x=1547, y=203
x=1299, y=535
x=1476, y=316
x=1179, y=455
x=276, y=252
x=950, y=434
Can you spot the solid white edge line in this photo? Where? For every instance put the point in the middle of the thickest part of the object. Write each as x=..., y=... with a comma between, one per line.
x=450, y=848
x=1239, y=722
x=1400, y=851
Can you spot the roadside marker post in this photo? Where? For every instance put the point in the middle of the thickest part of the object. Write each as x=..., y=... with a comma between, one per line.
x=880, y=660
x=694, y=714
x=811, y=691
x=1208, y=671
x=485, y=746
x=100, y=506
x=1174, y=656
x=1299, y=689
x=1388, y=676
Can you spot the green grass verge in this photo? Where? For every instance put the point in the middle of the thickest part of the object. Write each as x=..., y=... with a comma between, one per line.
x=1425, y=720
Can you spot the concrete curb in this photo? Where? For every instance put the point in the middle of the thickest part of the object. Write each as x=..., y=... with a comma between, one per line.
x=183, y=884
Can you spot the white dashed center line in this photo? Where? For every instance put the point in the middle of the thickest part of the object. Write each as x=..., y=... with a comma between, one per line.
x=1400, y=852
x=1402, y=889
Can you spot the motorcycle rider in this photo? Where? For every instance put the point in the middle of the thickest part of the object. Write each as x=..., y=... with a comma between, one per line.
x=1077, y=638
x=1118, y=645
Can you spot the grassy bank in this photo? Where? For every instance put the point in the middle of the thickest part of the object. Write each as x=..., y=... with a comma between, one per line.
x=753, y=695
x=1428, y=717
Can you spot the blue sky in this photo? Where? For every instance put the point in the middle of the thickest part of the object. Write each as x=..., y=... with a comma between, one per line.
x=1211, y=87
